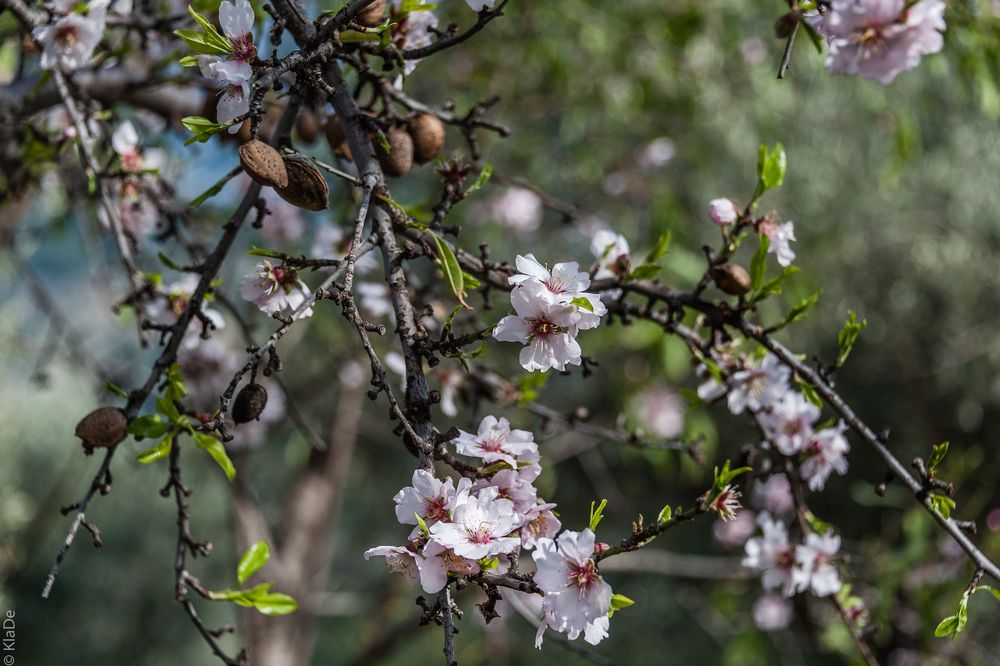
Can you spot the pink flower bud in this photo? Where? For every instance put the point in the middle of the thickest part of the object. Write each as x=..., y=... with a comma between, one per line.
x=723, y=212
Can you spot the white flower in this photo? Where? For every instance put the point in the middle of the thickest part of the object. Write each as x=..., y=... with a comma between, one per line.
x=275, y=288
x=726, y=504
x=496, y=442
x=772, y=612
x=125, y=142
x=825, y=454
x=780, y=237
x=451, y=381
x=234, y=74
x=575, y=594
x=546, y=329
x=480, y=526
x=612, y=253
x=430, y=498
x=775, y=494
x=710, y=389
x=723, y=212
x=656, y=153
x=772, y=555
x=815, y=569
x=480, y=5
x=413, y=31
x=564, y=283
x=176, y=297
x=398, y=560
x=69, y=42
x=376, y=299
x=539, y=523
x=662, y=411
x=236, y=19
x=789, y=423
x=734, y=533
x=758, y=387
x=510, y=485
x=518, y=208
x=438, y=562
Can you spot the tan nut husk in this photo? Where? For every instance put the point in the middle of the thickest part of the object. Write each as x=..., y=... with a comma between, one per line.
x=731, y=278
x=104, y=427
x=264, y=164
x=427, y=132
x=373, y=14
x=306, y=187
x=399, y=159
x=337, y=138
x=249, y=403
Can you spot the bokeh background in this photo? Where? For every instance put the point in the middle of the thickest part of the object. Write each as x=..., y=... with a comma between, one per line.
x=638, y=112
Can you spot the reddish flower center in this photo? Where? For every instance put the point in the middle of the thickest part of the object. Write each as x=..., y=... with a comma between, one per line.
x=786, y=559
x=243, y=48
x=436, y=509
x=542, y=327
x=67, y=35
x=584, y=576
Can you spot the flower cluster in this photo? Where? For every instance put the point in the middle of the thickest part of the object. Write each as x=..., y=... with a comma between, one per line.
x=793, y=568
x=787, y=417
x=879, y=39
x=474, y=526
x=275, y=288
x=551, y=308
x=234, y=72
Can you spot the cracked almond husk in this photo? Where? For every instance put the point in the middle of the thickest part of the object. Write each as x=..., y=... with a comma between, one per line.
x=249, y=403
x=264, y=164
x=306, y=186
x=104, y=427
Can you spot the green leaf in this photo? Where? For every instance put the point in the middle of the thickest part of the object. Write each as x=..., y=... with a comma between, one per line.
x=773, y=286
x=213, y=190
x=481, y=180
x=452, y=270
x=489, y=564
x=110, y=387
x=942, y=504
x=772, y=170
x=849, y=335
x=150, y=426
x=167, y=407
x=666, y=513
x=212, y=35
x=660, y=249
x=275, y=604
x=167, y=261
x=252, y=561
x=758, y=265
x=938, y=452
x=422, y=523
x=242, y=597
x=597, y=515
x=530, y=387
x=218, y=452
x=802, y=308
x=620, y=601
x=201, y=128
x=645, y=272
x=161, y=450
x=726, y=475
x=809, y=392
x=947, y=627
x=383, y=142
x=408, y=6
x=582, y=302
x=189, y=61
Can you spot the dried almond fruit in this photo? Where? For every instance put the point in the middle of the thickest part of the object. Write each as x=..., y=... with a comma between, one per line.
x=337, y=138
x=249, y=403
x=731, y=278
x=373, y=14
x=104, y=427
x=427, y=132
x=307, y=125
x=306, y=186
x=263, y=163
x=399, y=159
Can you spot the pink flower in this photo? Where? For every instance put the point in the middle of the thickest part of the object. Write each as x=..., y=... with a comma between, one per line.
x=781, y=237
x=69, y=42
x=662, y=411
x=775, y=495
x=772, y=612
x=612, y=253
x=539, y=523
x=438, y=562
x=398, y=560
x=511, y=486
x=734, y=533
x=496, y=442
x=480, y=526
x=547, y=329
x=789, y=423
x=773, y=556
x=816, y=570
x=723, y=212
x=826, y=454
x=758, y=387
x=233, y=74
x=517, y=208
x=276, y=288
x=575, y=593
x=430, y=498
x=879, y=39
x=564, y=283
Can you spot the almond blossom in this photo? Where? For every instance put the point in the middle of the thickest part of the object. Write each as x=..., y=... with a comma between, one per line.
x=398, y=559
x=772, y=612
x=759, y=386
x=275, y=288
x=723, y=212
x=878, y=39
x=173, y=304
x=789, y=423
x=233, y=74
x=547, y=329
x=565, y=284
x=577, y=599
x=612, y=253
x=780, y=237
x=539, y=523
x=496, y=442
x=439, y=561
x=413, y=30
x=517, y=208
x=773, y=556
x=510, y=485
x=480, y=526
x=429, y=498
x=69, y=41
x=815, y=569
x=825, y=454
